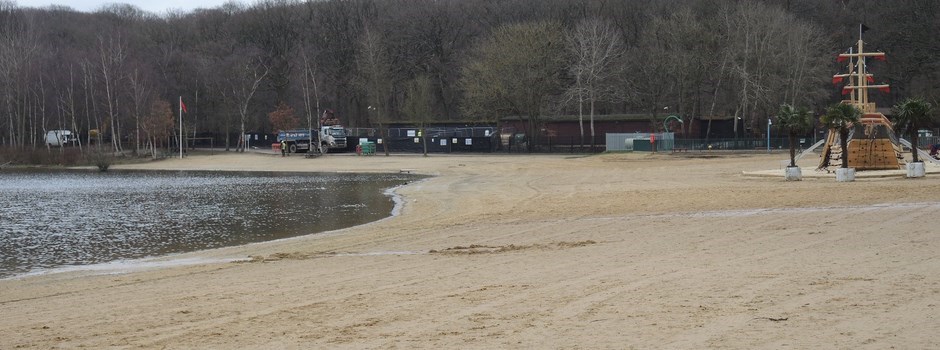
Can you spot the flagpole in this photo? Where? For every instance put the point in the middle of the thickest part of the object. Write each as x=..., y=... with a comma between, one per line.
x=181, y=127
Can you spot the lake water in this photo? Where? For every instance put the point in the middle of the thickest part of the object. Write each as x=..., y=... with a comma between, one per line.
x=52, y=219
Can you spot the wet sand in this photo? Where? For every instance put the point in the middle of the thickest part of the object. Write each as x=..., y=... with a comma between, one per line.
x=610, y=251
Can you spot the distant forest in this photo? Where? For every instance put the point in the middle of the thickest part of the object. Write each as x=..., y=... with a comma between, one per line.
x=276, y=64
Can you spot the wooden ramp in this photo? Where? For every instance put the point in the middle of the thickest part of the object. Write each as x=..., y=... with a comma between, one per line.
x=832, y=151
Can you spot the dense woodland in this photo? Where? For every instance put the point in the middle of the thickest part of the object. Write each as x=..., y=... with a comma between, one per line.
x=121, y=71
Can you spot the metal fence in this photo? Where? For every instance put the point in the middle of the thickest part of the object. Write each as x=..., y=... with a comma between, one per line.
x=926, y=141
x=638, y=141
x=757, y=144
x=429, y=131
x=741, y=144
x=488, y=139
x=434, y=144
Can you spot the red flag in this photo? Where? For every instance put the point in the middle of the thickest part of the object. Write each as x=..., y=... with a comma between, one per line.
x=836, y=80
x=183, y=106
x=871, y=79
x=881, y=58
x=846, y=90
x=886, y=89
x=841, y=58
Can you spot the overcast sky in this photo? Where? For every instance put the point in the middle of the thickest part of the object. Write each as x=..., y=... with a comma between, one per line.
x=155, y=6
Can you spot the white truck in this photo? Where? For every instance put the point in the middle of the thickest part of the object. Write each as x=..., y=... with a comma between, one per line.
x=59, y=138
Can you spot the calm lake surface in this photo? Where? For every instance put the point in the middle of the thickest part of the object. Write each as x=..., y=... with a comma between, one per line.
x=52, y=219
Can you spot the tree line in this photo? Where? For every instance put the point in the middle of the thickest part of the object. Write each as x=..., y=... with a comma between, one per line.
x=120, y=71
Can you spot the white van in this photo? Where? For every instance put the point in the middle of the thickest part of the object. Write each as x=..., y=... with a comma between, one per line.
x=59, y=138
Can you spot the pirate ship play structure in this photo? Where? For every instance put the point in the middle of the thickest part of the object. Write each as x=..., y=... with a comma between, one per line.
x=872, y=145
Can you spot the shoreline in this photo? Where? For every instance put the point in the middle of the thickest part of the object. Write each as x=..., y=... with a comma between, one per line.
x=127, y=265
x=547, y=251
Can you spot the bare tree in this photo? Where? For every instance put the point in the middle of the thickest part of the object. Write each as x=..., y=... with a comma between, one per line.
x=67, y=104
x=246, y=76
x=418, y=105
x=157, y=124
x=111, y=55
x=375, y=79
x=773, y=59
x=309, y=86
x=689, y=47
x=516, y=70
x=19, y=44
x=283, y=118
x=595, y=48
x=91, y=108
x=650, y=78
x=273, y=27
x=805, y=74
x=140, y=96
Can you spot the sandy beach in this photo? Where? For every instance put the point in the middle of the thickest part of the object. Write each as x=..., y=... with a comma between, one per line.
x=611, y=251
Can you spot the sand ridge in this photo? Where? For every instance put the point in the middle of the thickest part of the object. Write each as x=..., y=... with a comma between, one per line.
x=544, y=251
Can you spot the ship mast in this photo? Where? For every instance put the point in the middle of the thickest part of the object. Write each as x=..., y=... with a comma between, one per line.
x=871, y=147
x=859, y=79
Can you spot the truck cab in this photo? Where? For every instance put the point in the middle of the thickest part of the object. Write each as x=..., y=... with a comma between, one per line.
x=59, y=138
x=333, y=136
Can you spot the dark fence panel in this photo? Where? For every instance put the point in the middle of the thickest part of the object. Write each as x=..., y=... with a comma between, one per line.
x=488, y=139
x=740, y=144
x=435, y=144
x=554, y=144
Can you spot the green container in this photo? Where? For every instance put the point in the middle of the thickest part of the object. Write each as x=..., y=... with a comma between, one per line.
x=642, y=145
x=368, y=148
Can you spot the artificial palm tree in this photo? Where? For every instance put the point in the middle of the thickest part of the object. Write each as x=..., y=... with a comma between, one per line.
x=795, y=121
x=840, y=116
x=912, y=115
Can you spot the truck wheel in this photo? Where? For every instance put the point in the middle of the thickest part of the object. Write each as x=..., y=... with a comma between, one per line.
x=292, y=148
x=324, y=149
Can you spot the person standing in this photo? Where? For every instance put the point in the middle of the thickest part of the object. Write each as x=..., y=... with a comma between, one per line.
x=283, y=148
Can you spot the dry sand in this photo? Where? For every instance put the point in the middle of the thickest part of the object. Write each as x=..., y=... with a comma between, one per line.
x=612, y=251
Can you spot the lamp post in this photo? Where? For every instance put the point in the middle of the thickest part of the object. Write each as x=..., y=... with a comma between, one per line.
x=769, y=123
x=369, y=113
x=666, y=126
x=666, y=122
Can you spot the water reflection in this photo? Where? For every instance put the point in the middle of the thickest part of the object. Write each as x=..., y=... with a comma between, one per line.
x=55, y=218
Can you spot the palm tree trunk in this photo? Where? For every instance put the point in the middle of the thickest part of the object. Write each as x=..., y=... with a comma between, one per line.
x=914, y=146
x=844, y=142
x=792, y=149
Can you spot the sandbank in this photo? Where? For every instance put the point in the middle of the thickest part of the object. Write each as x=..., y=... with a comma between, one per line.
x=534, y=251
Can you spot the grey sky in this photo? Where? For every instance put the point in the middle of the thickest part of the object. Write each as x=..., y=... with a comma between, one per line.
x=155, y=6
